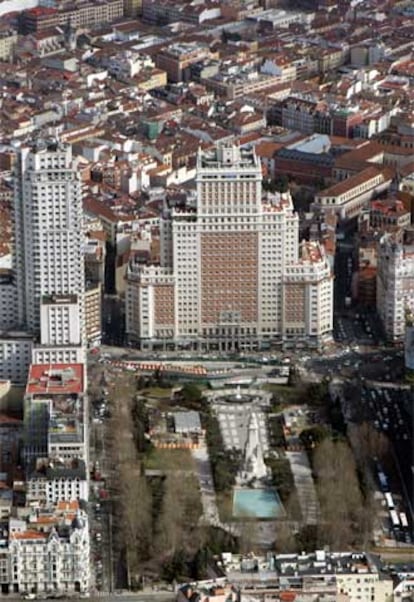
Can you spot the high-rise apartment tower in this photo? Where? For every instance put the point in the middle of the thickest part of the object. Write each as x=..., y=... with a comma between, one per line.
x=49, y=263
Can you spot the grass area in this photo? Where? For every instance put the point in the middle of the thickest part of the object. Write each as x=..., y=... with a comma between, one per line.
x=285, y=393
x=157, y=392
x=169, y=460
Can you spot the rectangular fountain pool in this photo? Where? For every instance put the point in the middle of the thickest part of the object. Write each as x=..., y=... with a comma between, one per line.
x=257, y=503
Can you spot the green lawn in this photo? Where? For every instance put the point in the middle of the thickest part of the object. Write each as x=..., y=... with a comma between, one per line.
x=169, y=459
x=285, y=393
x=157, y=392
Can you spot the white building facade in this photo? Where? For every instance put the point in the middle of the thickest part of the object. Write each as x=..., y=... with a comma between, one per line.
x=54, y=481
x=59, y=320
x=15, y=356
x=8, y=301
x=57, y=490
x=56, y=560
x=49, y=237
x=395, y=282
x=308, y=296
x=220, y=285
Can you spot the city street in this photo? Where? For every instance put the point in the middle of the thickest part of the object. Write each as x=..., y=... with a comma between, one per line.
x=99, y=508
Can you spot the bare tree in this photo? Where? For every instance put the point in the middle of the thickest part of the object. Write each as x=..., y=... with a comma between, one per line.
x=285, y=541
x=171, y=521
x=248, y=536
x=339, y=493
x=369, y=443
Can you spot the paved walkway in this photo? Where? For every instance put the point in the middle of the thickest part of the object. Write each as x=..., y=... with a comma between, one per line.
x=302, y=475
x=208, y=495
x=205, y=476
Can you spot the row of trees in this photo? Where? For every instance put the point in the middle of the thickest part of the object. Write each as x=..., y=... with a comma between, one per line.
x=346, y=511
x=225, y=464
x=156, y=520
x=282, y=480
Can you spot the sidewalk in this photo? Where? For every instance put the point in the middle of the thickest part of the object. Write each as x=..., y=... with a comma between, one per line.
x=302, y=476
x=205, y=477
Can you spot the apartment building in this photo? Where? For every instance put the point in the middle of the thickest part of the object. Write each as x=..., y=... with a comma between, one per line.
x=166, y=11
x=48, y=250
x=52, y=481
x=68, y=354
x=8, y=299
x=389, y=213
x=307, y=296
x=8, y=42
x=236, y=84
x=59, y=320
x=94, y=254
x=93, y=313
x=85, y=14
x=308, y=113
x=220, y=283
x=150, y=302
x=407, y=184
x=395, y=282
x=176, y=59
x=44, y=296
x=15, y=355
x=55, y=413
x=320, y=575
x=47, y=551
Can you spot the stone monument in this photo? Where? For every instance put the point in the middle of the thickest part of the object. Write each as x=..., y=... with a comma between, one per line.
x=254, y=467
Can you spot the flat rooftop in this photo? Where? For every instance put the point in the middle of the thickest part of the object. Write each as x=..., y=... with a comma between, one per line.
x=315, y=144
x=55, y=379
x=228, y=157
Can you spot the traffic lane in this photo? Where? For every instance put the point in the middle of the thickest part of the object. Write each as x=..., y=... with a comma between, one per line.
x=358, y=327
x=375, y=365
x=343, y=270
x=388, y=410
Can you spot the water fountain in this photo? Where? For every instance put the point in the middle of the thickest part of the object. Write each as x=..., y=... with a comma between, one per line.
x=236, y=396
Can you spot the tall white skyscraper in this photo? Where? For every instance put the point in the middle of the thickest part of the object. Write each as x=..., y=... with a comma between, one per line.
x=225, y=264
x=48, y=244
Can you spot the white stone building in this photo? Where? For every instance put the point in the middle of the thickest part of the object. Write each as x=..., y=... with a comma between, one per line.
x=54, y=481
x=220, y=285
x=59, y=320
x=395, y=282
x=15, y=356
x=48, y=551
x=8, y=300
x=308, y=296
x=49, y=237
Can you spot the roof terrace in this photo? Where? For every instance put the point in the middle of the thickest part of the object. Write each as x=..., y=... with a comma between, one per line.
x=55, y=379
